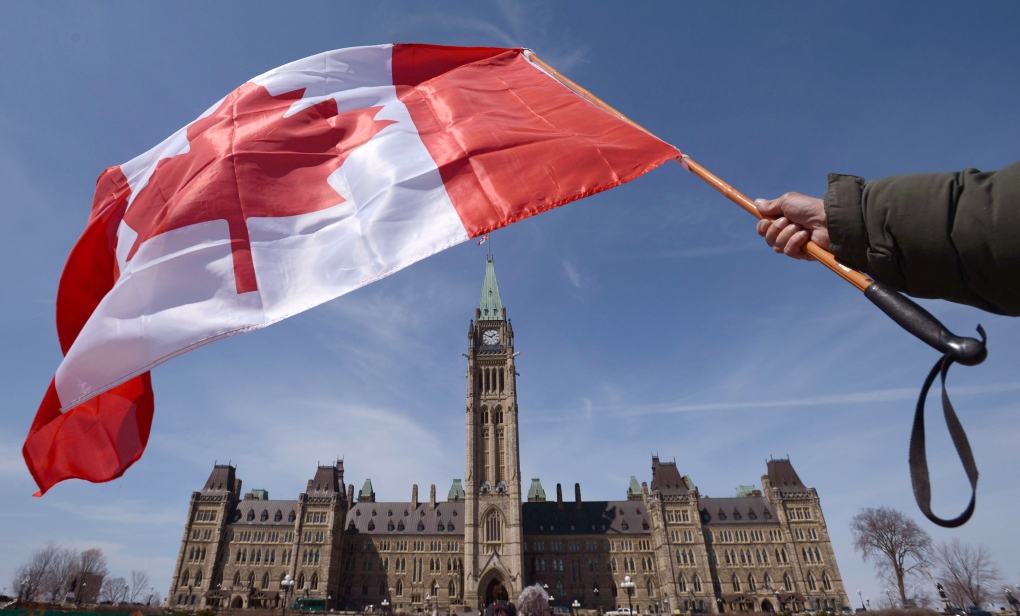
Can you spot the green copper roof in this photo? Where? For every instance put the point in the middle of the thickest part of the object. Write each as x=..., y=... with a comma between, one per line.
x=536, y=491
x=456, y=491
x=745, y=490
x=366, y=490
x=490, y=304
x=635, y=487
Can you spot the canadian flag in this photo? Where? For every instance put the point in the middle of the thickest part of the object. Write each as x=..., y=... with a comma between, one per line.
x=309, y=181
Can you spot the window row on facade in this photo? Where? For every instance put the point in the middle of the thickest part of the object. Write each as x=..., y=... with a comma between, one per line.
x=400, y=564
x=744, y=536
x=625, y=545
x=382, y=590
x=788, y=584
x=403, y=545
x=260, y=536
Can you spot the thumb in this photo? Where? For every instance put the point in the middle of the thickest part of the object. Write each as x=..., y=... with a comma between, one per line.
x=769, y=208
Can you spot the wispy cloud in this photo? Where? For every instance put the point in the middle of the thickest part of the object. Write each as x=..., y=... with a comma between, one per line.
x=121, y=511
x=632, y=409
x=572, y=274
x=12, y=464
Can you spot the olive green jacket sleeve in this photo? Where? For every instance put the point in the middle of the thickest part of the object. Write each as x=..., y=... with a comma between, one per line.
x=953, y=236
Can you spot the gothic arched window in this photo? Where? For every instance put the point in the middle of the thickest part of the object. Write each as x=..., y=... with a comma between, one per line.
x=494, y=528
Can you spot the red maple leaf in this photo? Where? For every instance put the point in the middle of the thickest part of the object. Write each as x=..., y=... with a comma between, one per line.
x=247, y=160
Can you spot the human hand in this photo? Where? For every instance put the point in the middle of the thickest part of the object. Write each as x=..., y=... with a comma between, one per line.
x=791, y=221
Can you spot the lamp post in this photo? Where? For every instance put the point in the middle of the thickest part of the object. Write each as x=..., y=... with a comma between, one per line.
x=287, y=583
x=862, y=601
x=385, y=605
x=943, y=597
x=628, y=585
x=888, y=596
x=576, y=604
x=868, y=600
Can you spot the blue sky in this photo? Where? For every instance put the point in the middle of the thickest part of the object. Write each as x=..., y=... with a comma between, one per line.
x=651, y=319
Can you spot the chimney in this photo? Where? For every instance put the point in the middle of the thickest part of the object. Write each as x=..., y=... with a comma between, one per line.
x=350, y=496
x=432, y=497
x=559, y=496
x=577, y=494
x=414, y=496
x=644, y=488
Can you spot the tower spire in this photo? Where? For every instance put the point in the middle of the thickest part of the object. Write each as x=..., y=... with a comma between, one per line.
x=490, y=306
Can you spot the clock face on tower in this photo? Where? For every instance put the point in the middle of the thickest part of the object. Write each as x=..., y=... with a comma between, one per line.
x=490, y=336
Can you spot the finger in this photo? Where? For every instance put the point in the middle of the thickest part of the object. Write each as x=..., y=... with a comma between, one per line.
x=783, y=238
x=774, y=230
x=763, y=226
x=795, y=246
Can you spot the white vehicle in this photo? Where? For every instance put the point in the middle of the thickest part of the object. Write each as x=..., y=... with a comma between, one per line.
x=621, y=611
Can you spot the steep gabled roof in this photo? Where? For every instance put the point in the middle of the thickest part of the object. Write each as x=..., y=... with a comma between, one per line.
x=403, y=519
x=736, y=511
x=666, y=478
x=783, y=477
x=627, y=517
x=221, y=479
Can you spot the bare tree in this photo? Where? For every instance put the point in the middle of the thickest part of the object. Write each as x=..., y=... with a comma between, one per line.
x=65, y=564
x=894, y=542
x=33, y=579
x=967, y=572
x=139, y=580
x=92, y=561
x=114, y=590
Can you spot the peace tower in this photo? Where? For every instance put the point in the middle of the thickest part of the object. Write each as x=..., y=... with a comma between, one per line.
x=492, y=504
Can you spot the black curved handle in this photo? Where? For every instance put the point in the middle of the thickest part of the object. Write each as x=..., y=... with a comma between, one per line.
x=921, y=323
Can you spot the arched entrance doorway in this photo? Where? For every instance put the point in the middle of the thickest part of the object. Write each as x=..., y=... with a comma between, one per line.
x=487, y=587
x=237, y=602
x=766, y=606
x=490, y=590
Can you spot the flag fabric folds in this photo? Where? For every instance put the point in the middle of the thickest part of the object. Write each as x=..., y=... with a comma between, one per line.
x=305, y=183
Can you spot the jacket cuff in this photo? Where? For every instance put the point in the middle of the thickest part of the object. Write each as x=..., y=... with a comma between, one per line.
x=848, y=238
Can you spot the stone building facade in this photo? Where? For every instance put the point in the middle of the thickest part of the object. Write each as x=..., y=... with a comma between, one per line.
x=760, y=550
